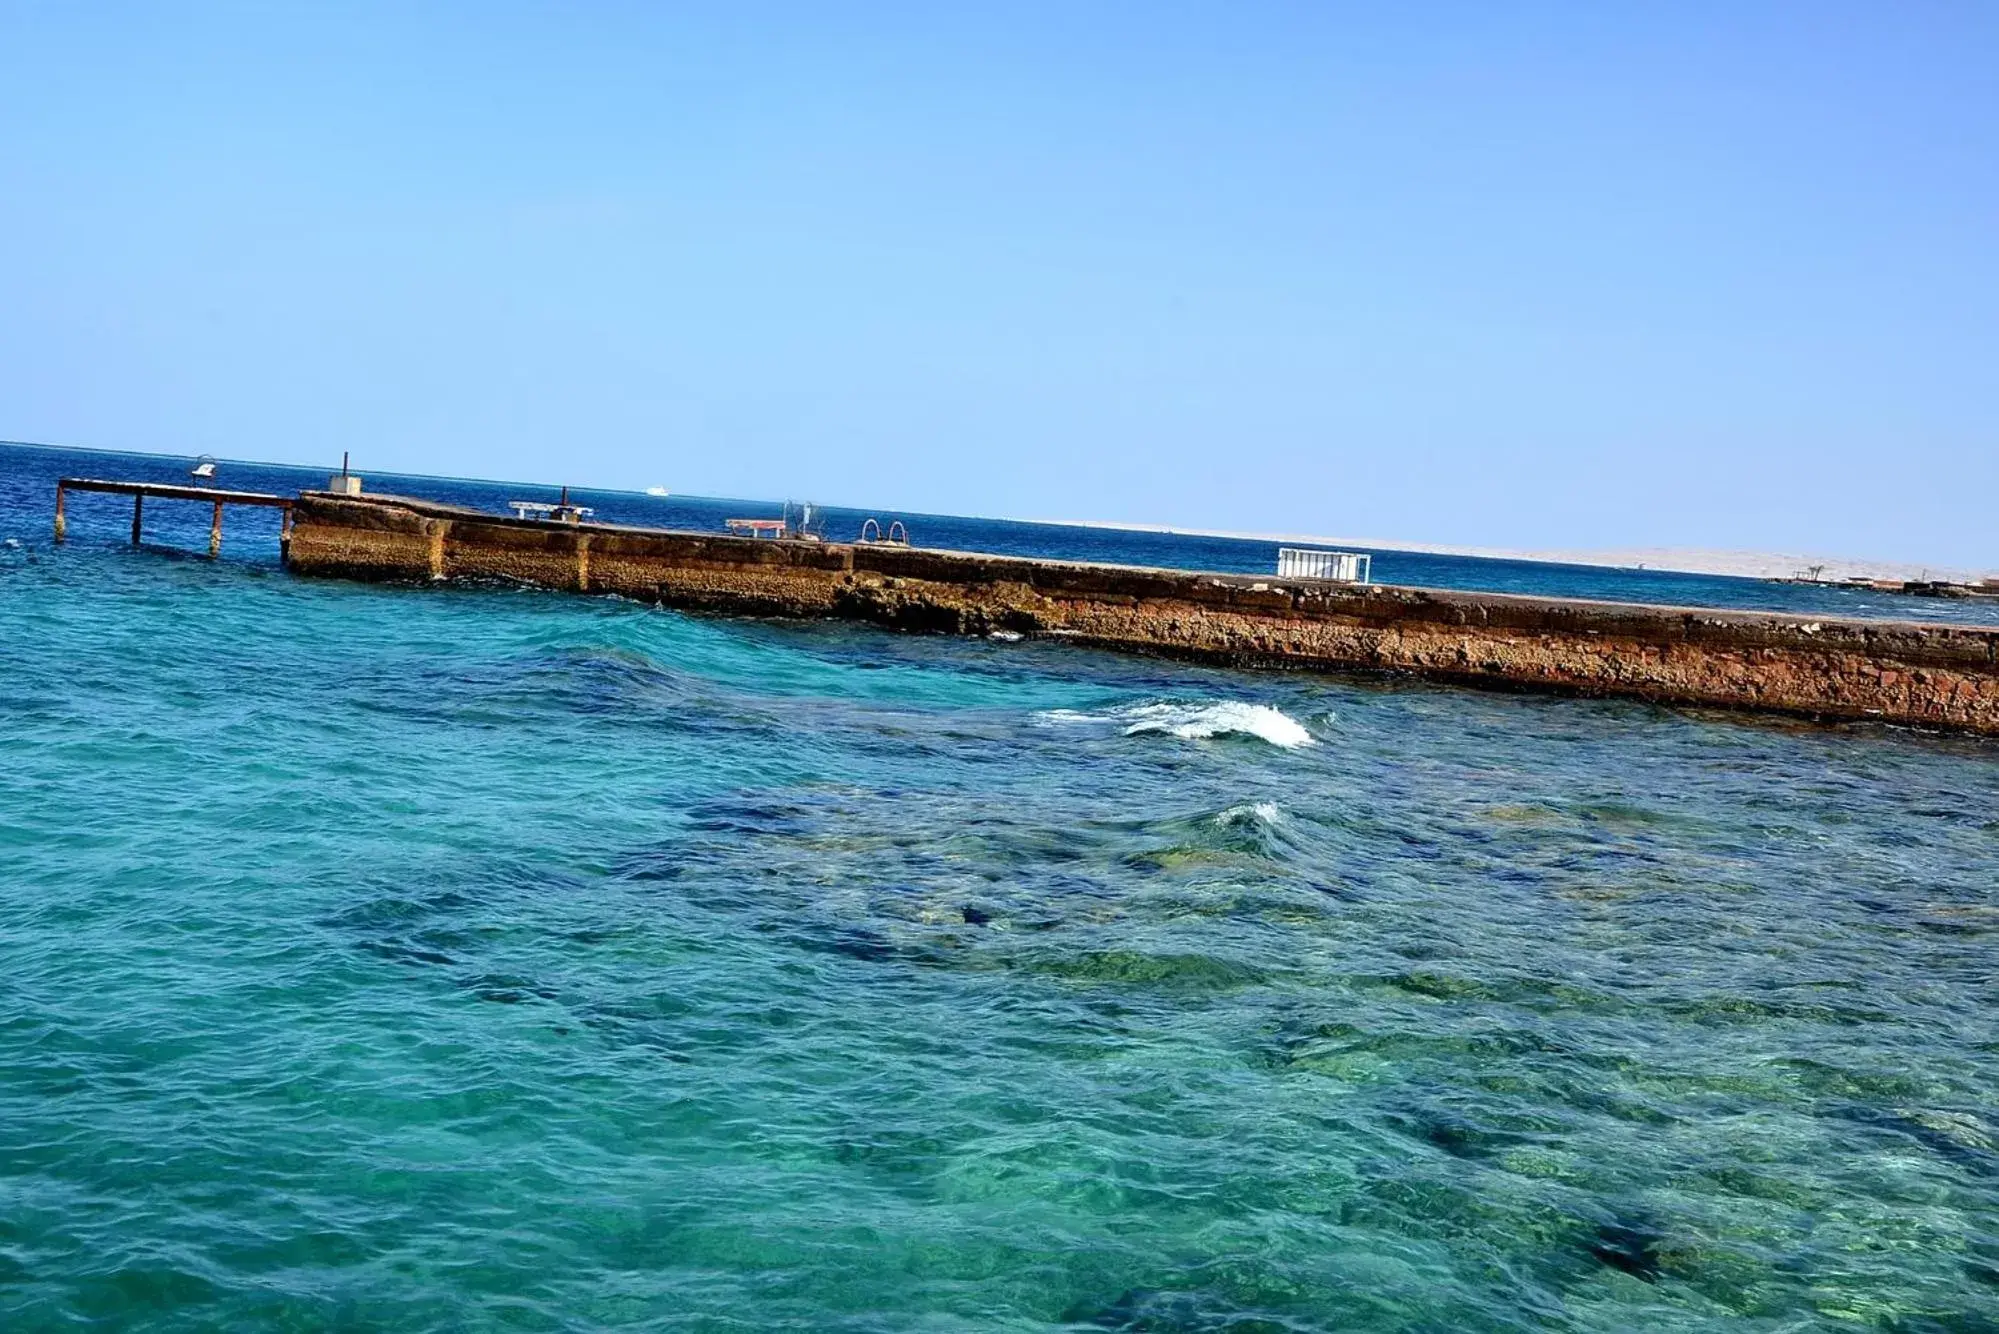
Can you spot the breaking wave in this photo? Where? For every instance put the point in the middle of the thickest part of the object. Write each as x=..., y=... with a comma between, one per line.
x=1252, y=814
x=1196, y=722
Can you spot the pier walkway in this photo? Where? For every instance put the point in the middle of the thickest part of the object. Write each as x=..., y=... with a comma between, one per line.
x=169, y=491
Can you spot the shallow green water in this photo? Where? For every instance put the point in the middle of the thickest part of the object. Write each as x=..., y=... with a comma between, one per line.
x=448, y=959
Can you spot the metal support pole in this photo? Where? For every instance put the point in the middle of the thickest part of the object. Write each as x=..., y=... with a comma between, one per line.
x=215, y=533
x=285, y=535
x=138, y=510
x=62, y=524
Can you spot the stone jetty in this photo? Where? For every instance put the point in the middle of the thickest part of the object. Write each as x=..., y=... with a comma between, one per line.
x=1932, y=676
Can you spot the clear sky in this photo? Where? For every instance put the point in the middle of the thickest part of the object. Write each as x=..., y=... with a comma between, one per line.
x=1509, y=274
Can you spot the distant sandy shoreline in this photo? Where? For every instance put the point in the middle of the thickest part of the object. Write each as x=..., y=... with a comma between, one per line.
x=1676, y=560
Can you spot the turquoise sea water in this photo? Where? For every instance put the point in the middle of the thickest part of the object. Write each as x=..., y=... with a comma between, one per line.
x=454, y=959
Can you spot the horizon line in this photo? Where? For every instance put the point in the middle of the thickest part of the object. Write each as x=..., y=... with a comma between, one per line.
x=1713, y=562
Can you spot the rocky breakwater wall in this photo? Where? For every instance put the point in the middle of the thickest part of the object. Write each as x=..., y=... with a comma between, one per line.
x=1922, y=675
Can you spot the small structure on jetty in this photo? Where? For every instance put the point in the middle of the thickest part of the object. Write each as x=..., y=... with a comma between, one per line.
x=344, y=482
x=161, y=491
x=762, y=529
x=802, y=522
x=1348, y=567
x=559, y=512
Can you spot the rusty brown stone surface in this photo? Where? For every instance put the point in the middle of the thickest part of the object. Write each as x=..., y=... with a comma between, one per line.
x=1924, y=675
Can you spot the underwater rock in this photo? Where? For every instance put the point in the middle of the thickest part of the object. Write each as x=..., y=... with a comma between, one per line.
x=1633, y=1249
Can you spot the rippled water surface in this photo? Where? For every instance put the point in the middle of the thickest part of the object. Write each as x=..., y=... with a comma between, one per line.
x=453, y=960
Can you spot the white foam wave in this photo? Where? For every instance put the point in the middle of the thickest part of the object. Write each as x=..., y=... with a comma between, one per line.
x=1260, y=812
x=1195, y=722
x=1068, y=717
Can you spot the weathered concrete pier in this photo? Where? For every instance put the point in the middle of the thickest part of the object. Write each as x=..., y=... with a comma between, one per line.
x=1921, y=675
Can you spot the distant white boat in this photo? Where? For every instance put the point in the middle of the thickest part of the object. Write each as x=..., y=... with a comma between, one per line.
x=203, y=469
x=660, y=491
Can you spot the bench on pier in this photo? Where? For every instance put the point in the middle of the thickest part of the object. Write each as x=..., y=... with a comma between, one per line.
x=756, y=527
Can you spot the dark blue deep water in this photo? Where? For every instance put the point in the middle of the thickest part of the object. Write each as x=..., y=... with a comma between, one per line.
x=456, y=959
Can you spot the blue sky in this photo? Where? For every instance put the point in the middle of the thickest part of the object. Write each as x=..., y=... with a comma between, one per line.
x=1520, y=275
